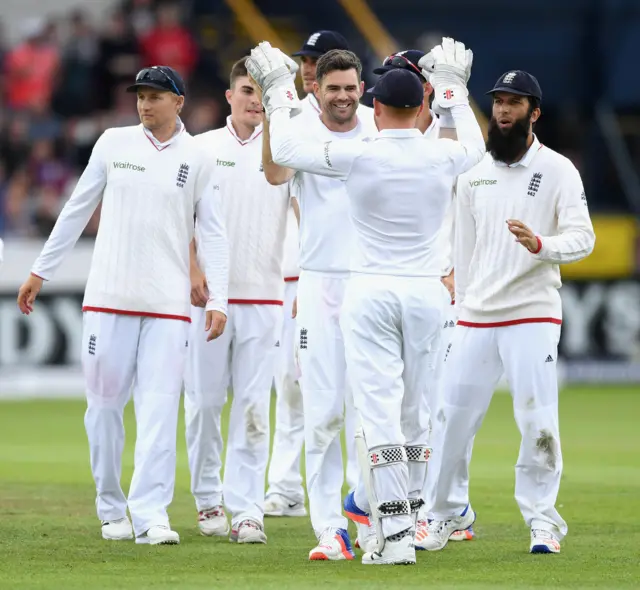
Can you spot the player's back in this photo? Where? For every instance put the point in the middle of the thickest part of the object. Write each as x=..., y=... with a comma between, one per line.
x=399, y=189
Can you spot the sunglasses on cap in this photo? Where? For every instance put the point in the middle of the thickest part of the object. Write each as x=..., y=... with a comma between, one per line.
x=400, y=61
x=157, y=76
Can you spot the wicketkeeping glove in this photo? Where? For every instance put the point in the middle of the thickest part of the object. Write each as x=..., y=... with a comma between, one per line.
x=270, y=68
x=451, y=70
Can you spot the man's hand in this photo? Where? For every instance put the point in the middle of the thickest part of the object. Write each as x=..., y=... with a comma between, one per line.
x=449, y=283
x=214, y=325
x=524, y=235
x=294, y=308
x=451, y=63
x=28, y=293
x=199, y=287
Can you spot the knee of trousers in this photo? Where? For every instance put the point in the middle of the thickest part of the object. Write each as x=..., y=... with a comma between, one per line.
x=319, y=434
x=106, y=402
x=256, y=424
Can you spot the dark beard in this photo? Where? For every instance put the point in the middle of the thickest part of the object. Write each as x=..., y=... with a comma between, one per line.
x=508, y=145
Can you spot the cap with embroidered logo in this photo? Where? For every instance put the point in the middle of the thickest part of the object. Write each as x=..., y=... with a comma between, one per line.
x=161, y=78
x=321, y=42
x=518, y=82
x=398, y=88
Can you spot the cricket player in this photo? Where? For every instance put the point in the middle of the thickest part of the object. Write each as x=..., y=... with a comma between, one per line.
x=325, y=263
x=399, y=186
x=255, y=213
x=432, y=125
x=151, y=179
x=520, y=214
x=285, y=494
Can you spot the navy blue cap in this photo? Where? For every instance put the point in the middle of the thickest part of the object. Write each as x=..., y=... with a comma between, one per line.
x=322, y=41
x=405, y=60
x=518, y=82
x=398, y=88
x=160, y=77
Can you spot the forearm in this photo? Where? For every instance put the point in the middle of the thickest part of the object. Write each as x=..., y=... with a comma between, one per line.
x=569, y=246
x=214, y=247
x=193, y=254
x=469, y=134
x=275, y=174
x=290, y=148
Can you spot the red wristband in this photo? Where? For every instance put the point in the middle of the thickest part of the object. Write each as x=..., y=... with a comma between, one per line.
x=539, y=246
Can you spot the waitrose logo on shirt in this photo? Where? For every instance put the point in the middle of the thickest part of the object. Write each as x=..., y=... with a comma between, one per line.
x=481, y=182
x=128, y=166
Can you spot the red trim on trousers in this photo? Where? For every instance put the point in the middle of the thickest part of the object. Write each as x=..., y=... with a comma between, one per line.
x=290, y=279
x=255, y=302
x=510, y=323
x=144, y=314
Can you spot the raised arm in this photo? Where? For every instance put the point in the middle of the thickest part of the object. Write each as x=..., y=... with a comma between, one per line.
x=464, y=242
x=275, y=174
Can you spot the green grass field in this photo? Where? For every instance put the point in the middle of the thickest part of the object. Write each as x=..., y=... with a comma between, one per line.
x=50, y=537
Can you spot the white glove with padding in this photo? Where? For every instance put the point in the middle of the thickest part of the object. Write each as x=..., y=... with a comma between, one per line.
x=448, y=67
x=274, y=72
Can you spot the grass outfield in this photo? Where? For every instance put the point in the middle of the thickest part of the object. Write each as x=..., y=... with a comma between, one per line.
x=50, y=537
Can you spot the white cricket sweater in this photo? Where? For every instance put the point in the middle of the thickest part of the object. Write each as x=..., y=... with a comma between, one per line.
x=255, y=214
x=498, y=281
x=150, y=193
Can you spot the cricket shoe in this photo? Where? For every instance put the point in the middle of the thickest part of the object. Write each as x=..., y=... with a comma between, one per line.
x=213, y=522
x=117, y=530
x=543, y=542
x=159, y=535
x=279, y=505
x=439, y=531
x=396, y=552
x=367, y=539
x=466, y=535
x=248, y=531
x=334, y=545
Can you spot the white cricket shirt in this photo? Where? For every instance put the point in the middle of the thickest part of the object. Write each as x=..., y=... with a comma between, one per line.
x=255, y=215
x=326, y=230
x=398, y=184
x=498, y=281
x=150, y=193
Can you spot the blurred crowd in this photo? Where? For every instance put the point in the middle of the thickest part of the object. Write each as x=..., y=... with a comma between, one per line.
x=63, y=83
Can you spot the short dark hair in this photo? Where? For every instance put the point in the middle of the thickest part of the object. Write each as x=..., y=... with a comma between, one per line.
x=238, y=70
x=337, y=59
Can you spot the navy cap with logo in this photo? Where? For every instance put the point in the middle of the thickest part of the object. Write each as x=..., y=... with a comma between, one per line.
x=160, y=77
x=518, y=82
x=321, y=42
x=404, y=60
x=398, y=88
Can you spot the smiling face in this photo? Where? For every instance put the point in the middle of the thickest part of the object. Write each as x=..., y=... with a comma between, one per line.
x=246, y=108
x=339, y=94
x=157, y=108
x=308, y=72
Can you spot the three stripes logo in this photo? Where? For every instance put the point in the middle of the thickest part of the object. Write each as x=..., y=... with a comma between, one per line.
x=183, y=173
x=549, y=359
x=534, y=184
x=92, y=344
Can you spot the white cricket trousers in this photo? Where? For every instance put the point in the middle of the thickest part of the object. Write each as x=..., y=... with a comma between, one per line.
x=391, y=327
x=448, y=325
x=121, y=353
x=528, y=354
x=284, y=470
x=327, y=400
x=243, y=358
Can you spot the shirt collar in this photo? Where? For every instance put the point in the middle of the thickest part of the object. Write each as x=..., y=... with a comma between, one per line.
x=434, y=122
x=257, y=131
x=400, y=133
x=313, y=101
x=526, y=159
x=160, y=145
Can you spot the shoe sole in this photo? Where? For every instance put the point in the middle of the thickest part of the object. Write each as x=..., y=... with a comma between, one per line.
x=380, y=562
x=127, y=538
x=323, y=557
x=214, y=533
x=465, y=535
x=147, y=541
x=293, y=514
x=540, y=549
